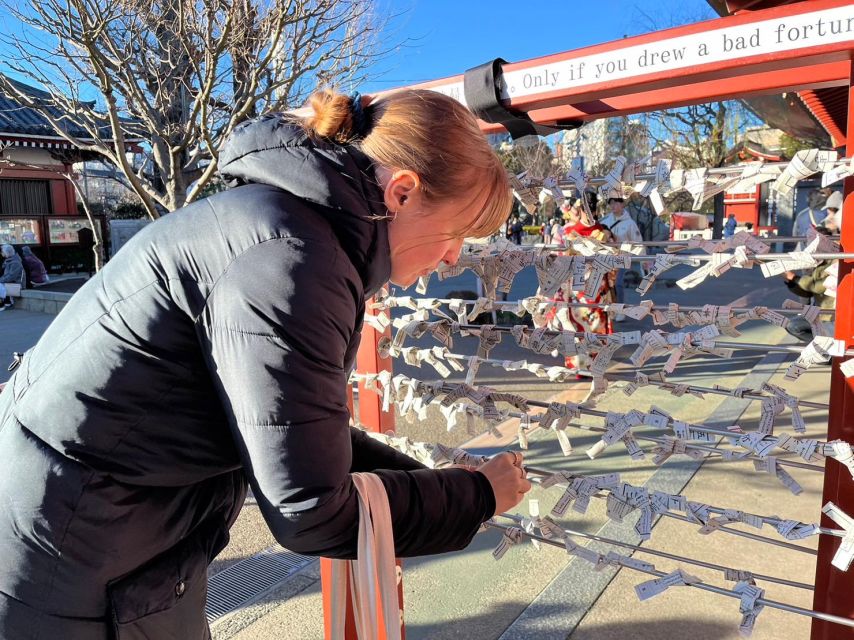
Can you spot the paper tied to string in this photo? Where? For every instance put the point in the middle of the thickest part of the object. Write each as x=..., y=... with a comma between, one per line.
x=525, y=191
x=840, y=451
x=652, y=588
x=811, y=314
x=596, y=559
x=805, y=163
x=550, y=186
x=769, y=465
x=748, y=605
x=556, y=418
x=579, y=490
x=782, y=399
x=613, y=179
x=651, y=187
x=838, y=173
x=845, y=552
x=489, y=337
x=617, y=427
x=819, y=350
x=511, y=536
x=663, y=262
x=674, y=446
x=554, y=270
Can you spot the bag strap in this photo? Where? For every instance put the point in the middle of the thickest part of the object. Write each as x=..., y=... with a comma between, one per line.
x=373, y=575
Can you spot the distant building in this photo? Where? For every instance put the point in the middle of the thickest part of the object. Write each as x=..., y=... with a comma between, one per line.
x=38, y=204
x=600, y=141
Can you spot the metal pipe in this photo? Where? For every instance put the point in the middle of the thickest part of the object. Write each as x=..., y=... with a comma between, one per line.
x=705, y=587
x=624, y=378
x=744, y=346
x=748, y=535
x=708, y=449
x=774, y=521
x=670, y=556
x=600, y=305
x=685, y=243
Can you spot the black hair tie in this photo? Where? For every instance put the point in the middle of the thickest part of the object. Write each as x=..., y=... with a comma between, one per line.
x=360, y=120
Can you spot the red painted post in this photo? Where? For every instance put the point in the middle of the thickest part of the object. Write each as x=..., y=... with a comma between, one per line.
x=833, y=588
x=371, y=416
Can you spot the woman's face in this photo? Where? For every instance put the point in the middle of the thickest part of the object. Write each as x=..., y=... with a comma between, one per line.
x=422, y=234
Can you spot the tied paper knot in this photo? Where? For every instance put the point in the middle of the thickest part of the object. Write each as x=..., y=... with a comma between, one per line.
x=652, y=588
x=511, y=536
x=557, y=417
x=821, y=349
x=748, y=605
x=845, y=552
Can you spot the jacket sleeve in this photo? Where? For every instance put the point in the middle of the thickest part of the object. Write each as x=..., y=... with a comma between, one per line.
x=370, y=455
x=14, y=272
x=806, y=286
x=275, y=331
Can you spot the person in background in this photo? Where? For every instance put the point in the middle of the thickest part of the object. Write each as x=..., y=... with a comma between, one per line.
x=13, y=273
x=730, y=225
x=812, y=215
x=622, y=229
x=819, y=284
x=516, y=230
x=594, y=320
x=34, y=268
x=556, y=230
x=749, y=227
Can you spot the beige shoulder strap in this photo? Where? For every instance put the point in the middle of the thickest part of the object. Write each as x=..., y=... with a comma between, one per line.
x=373, y=574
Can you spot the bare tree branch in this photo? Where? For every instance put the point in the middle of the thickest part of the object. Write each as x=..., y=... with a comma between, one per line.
x=175, y=77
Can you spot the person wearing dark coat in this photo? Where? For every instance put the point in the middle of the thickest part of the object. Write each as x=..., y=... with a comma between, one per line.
x=34, y=268
x=213, y=352
x=13, y=273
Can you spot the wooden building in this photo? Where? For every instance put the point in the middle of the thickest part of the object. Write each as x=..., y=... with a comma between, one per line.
x=38, y=204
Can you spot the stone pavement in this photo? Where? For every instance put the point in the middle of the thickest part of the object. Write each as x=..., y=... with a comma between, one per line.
x=545, y=594
x=19, y=330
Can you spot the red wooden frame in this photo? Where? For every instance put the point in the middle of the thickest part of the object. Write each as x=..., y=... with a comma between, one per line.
x=833, y=588
x=813, y=67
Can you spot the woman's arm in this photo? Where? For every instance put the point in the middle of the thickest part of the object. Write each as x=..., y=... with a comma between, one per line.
x=275, y=331
x=370, y=454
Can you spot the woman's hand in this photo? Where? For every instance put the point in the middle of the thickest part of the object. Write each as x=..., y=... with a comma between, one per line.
x=507, y=477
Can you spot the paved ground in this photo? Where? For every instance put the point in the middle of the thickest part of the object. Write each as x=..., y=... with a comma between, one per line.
x=19, y=330
x=541, y=594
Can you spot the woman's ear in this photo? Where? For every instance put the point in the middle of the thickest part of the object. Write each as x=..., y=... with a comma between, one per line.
x=402, y=190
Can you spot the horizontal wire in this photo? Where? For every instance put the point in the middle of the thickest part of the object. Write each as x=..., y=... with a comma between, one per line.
x=626, y=378
x=605, y=306
x=743, y=346
x=670, y=556
x=827, y=617
x=602, y=414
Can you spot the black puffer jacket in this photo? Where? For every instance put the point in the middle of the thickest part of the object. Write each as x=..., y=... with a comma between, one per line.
x=214, y=348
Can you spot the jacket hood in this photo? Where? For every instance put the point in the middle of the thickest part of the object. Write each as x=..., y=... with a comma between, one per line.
x=275, y=151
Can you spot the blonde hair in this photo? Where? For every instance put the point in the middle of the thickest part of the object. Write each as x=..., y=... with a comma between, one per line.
x=428, y=133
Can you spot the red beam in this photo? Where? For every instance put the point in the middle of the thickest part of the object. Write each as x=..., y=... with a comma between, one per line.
x=745, y=65
x=833, y=588
x=823, y=75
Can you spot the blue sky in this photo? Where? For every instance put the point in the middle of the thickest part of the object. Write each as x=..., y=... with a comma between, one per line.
x=431, y=39
x=446, y=37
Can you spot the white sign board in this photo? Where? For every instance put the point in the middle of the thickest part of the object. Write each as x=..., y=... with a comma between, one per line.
x=829, y=26
x=123, y=230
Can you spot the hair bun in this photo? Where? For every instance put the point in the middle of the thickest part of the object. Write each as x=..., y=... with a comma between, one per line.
x=333, y=116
